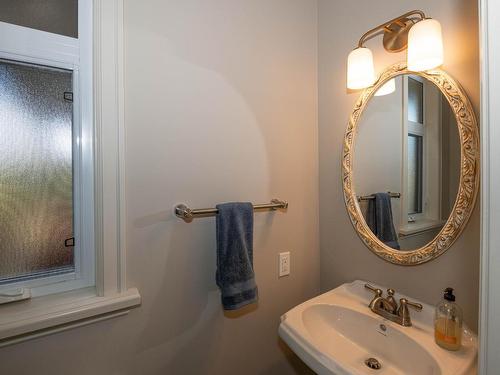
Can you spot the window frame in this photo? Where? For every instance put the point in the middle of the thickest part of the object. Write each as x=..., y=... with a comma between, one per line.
x=25, y=45
x=420, y=171
x=110, y=297
x=414, y=128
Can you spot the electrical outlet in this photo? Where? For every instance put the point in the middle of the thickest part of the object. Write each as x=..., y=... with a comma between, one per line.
x=284, y=264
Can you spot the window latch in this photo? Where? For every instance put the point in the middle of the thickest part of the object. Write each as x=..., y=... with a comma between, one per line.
x=13, y=295
x=68, y=96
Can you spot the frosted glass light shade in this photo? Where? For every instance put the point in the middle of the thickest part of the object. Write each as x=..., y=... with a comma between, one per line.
x=387, y=88
x=425, y=45
x=360, y=70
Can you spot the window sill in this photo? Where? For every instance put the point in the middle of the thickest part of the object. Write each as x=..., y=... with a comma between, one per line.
x=420, y=226
x=41, y=316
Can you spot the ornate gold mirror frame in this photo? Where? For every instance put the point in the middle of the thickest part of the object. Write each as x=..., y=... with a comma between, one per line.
x=469, y=171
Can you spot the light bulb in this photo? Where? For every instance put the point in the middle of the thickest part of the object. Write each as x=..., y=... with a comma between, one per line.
x=387, y=88
x=360, y=70
x=425, y=45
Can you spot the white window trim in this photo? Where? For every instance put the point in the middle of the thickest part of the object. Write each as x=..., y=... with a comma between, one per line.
x=419, y=227
x=417, y=129
x=489, y=317
x=27, y=45
x=44, y=315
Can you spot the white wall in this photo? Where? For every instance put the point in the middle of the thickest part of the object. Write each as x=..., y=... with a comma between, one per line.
x=221, y=105
x=339, y=30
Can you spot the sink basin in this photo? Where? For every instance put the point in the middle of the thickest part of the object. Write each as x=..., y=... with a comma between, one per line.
x=335, y=333
x=357, y=336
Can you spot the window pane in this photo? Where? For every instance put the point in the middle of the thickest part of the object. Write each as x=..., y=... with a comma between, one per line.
x=36, y=172
x=414, y=174
x=54, y=16
x=415, y=101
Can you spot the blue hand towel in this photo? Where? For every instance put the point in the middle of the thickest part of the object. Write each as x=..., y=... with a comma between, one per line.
x=379, y=219
x=235, y=276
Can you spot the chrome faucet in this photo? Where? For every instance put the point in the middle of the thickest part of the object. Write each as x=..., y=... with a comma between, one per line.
x=388, y=307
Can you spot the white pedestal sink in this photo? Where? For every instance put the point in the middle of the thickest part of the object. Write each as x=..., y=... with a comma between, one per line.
x=336, y=332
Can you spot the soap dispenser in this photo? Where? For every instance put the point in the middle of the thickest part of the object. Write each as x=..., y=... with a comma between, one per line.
x=448, y=322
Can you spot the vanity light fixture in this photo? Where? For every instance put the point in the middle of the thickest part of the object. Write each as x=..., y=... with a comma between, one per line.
x=360, y=70
x=425, y=45
x=413, y=31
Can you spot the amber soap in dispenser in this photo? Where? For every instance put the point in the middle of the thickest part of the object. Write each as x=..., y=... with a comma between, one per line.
x=448, y=322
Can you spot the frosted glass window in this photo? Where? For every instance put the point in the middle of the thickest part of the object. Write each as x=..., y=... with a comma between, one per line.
x=415, y=155
x=36, y=171
x=415, y=101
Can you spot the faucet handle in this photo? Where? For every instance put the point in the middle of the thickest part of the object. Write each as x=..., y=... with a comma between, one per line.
x=377, y=291
x=376, y=298
x=416, y=306
x=403, y=312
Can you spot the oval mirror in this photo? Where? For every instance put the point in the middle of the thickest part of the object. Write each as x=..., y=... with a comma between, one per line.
x=410, y=164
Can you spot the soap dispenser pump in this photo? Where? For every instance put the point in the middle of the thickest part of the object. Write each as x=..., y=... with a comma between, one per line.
x=448, y=322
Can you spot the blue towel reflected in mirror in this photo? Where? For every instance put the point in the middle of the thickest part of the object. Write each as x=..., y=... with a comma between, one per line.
x=379, y=219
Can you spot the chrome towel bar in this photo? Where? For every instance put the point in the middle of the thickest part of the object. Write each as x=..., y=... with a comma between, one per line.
x=187, y=214
x=368, y=197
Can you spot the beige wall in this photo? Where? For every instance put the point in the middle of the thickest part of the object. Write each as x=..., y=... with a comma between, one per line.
x=451, y=159
x=221, y=105
x=343, y=255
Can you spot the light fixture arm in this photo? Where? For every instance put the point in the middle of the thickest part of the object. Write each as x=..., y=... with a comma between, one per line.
x=395, y=31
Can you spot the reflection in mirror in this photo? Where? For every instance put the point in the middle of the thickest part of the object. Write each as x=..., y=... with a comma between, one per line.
x=407, y=162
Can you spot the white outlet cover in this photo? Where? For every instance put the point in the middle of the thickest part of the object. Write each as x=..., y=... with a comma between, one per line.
x=284, y=264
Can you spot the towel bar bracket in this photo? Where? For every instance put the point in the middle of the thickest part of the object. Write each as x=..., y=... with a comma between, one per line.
x=183, y=211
